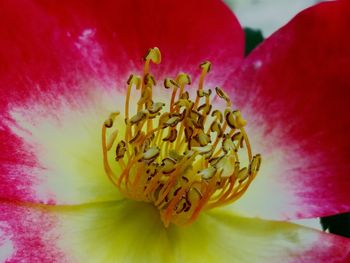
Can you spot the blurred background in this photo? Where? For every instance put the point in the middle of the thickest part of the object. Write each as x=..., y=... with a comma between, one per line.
x=267, y=15
x=260, y=18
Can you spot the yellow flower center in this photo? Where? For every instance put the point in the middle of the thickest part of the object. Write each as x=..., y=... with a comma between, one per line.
x=184, y=156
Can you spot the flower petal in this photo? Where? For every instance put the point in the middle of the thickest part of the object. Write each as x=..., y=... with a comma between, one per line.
x=127, y=231
x=294, y=92
x=187, y=32
x=224, y=237
x=54, y=154
x=45, y=42
x=59, y=64
x=26, y=234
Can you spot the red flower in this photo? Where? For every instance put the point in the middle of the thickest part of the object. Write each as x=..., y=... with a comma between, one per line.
x=63, y=67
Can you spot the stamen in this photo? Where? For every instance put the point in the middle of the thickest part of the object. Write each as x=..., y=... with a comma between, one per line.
x=183, y=156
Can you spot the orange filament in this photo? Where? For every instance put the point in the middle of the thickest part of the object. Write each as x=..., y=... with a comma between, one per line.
x=185, y=160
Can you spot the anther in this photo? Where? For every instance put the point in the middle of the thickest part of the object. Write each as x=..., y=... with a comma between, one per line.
x=218, y=115
x=206, y=65
x=120, y=150
x=170, y=83
x=156, y=107
x=223, y=96
x=183, y=79
x=154, y=55
x=203, y=149
x=109, y=122
x=167, y=156
x=134, y=80
x=202, y=138
x=227, y=144
x=171, y=137
x=215, y=127
x=207, y=173
x=141, y=115
x=230, y=119
x=151, y=154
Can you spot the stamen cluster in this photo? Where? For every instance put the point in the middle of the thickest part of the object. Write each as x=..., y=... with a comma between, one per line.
x=183, y=156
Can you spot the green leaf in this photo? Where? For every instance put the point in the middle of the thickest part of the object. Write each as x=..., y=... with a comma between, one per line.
x=337, y=224
x=253, y=37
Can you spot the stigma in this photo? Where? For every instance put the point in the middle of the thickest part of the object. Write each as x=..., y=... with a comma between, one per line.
x=183, y=155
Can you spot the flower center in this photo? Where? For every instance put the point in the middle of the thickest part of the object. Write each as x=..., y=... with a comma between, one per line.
x=184, y=156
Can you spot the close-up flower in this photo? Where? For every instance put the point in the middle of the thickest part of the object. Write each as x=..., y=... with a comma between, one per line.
x=137, y=131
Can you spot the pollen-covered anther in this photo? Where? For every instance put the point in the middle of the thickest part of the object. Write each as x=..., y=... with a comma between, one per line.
x=184, y=155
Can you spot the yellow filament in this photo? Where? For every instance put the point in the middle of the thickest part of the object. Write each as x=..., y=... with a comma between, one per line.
x=183, y=172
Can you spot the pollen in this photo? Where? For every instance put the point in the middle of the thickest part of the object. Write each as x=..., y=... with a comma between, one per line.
x=184, y=155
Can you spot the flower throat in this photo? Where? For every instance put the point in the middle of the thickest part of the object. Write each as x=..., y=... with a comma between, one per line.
x=184, y=156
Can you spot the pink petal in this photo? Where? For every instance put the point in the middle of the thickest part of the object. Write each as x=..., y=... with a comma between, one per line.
x=54, y=55
x=27, y=236
x=45, y=42
x=294, y=91
x=54, y=154
x=127, y=231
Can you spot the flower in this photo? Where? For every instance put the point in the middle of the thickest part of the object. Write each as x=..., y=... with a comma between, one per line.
x=64, y=67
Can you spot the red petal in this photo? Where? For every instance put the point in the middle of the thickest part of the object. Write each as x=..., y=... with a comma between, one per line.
x=294, y=89
x=43, y=42
x=26, y=235
x=49, y=50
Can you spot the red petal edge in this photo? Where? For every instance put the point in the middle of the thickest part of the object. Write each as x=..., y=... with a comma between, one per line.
x=294, y=90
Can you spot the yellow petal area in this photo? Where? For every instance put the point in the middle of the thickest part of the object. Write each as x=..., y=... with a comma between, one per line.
x=63, y=133
x=129, y=231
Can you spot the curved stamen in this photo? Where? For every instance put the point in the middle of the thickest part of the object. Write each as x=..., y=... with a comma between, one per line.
x=182, y=157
